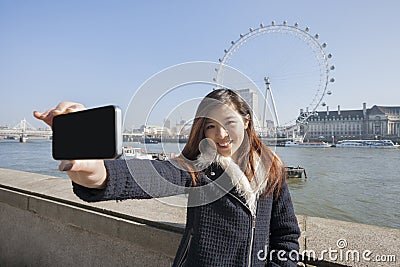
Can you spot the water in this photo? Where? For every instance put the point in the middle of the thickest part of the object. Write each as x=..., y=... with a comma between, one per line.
x=352, y=184
x=32, y=156
x=357, y=185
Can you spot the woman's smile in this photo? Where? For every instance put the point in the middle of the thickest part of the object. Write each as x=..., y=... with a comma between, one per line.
x=225, y=144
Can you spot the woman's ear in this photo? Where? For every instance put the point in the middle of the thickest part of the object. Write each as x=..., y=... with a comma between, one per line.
x=246, y=121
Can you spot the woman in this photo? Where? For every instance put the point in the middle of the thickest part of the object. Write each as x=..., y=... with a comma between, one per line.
x=239, y=208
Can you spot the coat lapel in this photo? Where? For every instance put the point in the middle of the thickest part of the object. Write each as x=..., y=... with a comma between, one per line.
x=250, y=191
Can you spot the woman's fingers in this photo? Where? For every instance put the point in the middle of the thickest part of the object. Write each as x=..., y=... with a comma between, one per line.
x=84, y=166
x=87, y=166
x=41, y=115
x=67, y=107
x=37, y=114
x=46, y=116
x=61, y=108
x=66, y=165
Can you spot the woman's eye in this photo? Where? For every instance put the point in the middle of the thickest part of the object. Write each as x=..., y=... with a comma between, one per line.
x=230, y=122
x=209, y=126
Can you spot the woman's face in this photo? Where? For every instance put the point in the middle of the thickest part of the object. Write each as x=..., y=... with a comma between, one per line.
x=226, y=127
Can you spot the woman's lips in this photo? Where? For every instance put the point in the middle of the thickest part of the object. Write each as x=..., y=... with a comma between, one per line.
x=225, y=145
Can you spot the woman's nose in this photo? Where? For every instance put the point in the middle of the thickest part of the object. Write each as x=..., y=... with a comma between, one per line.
x=221, y=132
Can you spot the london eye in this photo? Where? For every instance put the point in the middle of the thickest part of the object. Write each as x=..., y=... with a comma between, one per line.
x=285, y=59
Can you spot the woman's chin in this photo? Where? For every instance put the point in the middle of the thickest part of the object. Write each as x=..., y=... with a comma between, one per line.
x=225, y=153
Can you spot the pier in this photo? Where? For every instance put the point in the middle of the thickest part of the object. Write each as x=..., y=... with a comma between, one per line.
x=44, y=224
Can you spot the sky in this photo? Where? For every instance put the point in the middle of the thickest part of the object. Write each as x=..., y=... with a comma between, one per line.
x=101, y=52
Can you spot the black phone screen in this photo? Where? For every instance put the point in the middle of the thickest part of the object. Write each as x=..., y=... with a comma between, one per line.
x=88, y=134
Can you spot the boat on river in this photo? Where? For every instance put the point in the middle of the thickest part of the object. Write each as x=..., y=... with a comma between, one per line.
x=140, y=153
x=135, y=152
x=306, y=144
x=149, y=141
x=367, y=144
x=295, y=172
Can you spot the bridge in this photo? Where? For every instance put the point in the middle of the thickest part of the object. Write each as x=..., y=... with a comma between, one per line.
x=23, y=131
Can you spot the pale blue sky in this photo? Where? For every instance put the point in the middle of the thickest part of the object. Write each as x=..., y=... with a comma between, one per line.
x=100, y=52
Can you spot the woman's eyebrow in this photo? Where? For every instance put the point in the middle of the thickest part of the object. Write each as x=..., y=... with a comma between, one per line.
x=230, y=117
x=209, y=120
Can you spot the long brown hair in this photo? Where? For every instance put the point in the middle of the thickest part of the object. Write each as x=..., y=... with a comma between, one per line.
x=250, y=146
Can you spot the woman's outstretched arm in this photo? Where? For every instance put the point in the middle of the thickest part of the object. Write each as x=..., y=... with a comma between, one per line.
x=139, y=179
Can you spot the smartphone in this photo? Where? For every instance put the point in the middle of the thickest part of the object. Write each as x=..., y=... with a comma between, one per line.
x=89, y=134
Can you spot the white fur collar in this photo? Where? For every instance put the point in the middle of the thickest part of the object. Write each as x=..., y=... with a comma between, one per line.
x=250, y=191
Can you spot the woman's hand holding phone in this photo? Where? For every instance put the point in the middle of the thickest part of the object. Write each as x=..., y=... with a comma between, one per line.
x=88, y=173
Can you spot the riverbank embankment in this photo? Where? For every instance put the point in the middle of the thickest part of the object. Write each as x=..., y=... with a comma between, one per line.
x=43, y=223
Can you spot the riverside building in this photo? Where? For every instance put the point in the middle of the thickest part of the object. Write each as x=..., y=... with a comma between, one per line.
x=251, y=98
x=378, y=122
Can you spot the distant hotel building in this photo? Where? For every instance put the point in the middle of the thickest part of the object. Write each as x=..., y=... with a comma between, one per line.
x=251, y=98
x=377, y=122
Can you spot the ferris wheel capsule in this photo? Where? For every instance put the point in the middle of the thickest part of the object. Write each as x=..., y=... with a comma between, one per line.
x=329, y=92
x=332, y=80
x=323, y=104
x=332, y=67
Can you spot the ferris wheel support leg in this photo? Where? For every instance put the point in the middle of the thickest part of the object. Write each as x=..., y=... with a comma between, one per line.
x=274, y=106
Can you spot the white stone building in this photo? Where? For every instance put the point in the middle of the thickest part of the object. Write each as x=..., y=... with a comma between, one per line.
x=377, y=122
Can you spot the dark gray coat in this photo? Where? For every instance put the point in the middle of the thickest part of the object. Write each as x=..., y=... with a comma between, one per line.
x=221, y=232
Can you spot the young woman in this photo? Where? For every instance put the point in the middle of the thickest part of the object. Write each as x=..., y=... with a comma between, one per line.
x=239, y=207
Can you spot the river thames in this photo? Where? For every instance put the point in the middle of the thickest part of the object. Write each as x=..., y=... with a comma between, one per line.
x=351, y=184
